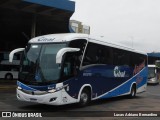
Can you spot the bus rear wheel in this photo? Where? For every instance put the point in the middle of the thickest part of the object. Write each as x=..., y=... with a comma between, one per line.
x=8, y=76
x=133, y=92
x=84, y=98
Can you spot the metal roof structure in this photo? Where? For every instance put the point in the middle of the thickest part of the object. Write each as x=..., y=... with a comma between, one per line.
x=154, y=54
x=21, y=20
x=59, y=9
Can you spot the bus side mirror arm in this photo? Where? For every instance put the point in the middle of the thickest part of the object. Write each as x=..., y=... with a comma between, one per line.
x=62, y=51
x=11, y=54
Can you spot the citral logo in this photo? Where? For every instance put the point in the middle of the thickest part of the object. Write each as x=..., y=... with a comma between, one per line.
x=118, y=73
x=44, y=39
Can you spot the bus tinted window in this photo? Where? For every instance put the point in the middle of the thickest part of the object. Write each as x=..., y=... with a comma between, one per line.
x=9, y=67
x=138, y=59
x=90, y=55
x=121, y=57
x=78, y=44
x=98, y=54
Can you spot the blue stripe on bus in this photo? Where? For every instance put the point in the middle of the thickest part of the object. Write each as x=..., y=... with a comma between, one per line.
x=125, y=88
x=25, y=87
x=35, y=88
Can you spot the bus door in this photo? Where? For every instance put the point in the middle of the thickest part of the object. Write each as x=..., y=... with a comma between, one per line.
x=70, y=70
x=71, y=66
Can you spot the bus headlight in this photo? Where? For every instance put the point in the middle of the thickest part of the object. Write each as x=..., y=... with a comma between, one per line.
x=52, y=91
x=19, y=88
x=57, y=89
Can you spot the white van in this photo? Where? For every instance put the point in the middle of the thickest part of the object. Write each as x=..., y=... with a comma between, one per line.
x=9, y=70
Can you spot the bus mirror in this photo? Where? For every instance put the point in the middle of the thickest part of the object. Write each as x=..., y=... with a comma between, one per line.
x=13, y=52
x=62, y=51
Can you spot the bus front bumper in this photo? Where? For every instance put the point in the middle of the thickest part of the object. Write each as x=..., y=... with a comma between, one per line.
x=152, y=81
x=48, y=98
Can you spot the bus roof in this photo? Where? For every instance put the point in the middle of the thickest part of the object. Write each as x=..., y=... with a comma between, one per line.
x=58, y=38
x=51, y=38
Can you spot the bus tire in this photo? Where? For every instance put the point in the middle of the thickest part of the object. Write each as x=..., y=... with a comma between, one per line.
x=9, y=76
x=85, y=97
x=132, y=92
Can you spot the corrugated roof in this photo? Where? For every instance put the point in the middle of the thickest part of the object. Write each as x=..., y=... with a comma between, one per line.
x=61, y=4
x=154, y=54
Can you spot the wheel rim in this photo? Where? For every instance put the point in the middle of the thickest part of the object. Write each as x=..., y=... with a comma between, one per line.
x=132, y=92
x=9, y=77
x=84, y=97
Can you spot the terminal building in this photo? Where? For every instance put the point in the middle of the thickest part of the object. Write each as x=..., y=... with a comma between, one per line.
x=78, y=27
x=20, y=20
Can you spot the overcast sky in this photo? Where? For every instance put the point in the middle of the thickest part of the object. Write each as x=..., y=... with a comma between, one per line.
x=135, y=23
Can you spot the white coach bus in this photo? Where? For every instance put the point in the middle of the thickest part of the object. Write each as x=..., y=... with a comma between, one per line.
x=9, y=71
x=60, y=69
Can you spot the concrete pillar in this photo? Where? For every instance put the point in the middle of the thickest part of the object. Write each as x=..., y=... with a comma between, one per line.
x=33, y=27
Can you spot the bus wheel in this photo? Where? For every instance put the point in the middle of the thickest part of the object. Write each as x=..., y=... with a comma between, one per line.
x=8, y=76
x=84, y=98
x=133, y=92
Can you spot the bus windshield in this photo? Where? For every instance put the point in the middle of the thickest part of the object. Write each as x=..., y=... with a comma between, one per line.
x=151, y=72
x=38, y=64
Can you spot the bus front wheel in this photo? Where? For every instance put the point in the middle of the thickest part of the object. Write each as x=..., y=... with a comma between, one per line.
x=84, y=98
x=8, y=76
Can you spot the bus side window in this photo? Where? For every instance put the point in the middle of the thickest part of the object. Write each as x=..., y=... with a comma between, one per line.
x=106, y=55
x=121, y=57
x=98, y=54
x=138, y=59
x=90, y=56
x=79, y=43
